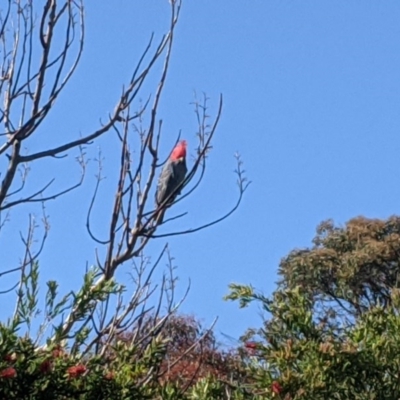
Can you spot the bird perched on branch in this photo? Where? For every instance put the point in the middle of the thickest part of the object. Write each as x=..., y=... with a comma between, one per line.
x=172, y=177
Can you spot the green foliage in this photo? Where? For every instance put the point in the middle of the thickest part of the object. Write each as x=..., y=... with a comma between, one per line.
x=167, y=357
x=128, y=371
x=355, y=266
x=333, y=330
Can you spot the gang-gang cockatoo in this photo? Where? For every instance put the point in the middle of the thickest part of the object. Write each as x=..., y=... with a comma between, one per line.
x=171, y=177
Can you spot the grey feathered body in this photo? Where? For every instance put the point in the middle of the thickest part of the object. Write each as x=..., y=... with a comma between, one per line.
x=172, y=175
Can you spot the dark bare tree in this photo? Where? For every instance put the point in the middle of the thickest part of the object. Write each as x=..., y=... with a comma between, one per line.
x=40, y=48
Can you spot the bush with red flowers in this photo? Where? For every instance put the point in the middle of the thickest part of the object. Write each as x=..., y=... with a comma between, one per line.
x=180, y=362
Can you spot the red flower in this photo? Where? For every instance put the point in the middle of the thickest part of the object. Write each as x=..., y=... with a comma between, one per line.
x=10, y=357
x=109, y=376
x=7, y=373
x=276, y=387
x=251, y=347
x=45, y=366
x=76, y=370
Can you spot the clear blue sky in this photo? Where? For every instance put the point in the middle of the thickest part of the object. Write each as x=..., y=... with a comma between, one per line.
x=312, y=102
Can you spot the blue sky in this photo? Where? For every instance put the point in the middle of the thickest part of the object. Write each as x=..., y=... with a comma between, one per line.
x=311, y=101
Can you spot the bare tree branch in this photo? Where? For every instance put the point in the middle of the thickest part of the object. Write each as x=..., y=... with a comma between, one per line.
x=40, y=49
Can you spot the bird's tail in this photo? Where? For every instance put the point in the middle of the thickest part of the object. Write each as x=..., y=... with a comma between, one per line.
x=159, y=218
